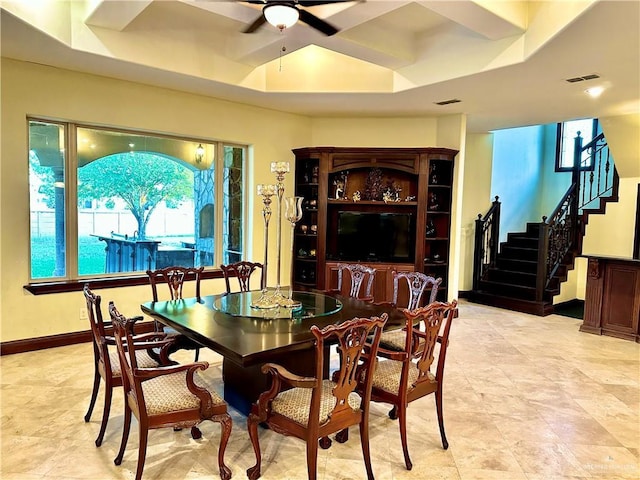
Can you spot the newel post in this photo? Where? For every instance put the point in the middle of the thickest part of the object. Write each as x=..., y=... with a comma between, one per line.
x=478, y=253
x=543, y=253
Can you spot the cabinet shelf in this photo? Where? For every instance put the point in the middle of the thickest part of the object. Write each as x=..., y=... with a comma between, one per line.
x=437, y=239
x=333, y=201
x=306, y=259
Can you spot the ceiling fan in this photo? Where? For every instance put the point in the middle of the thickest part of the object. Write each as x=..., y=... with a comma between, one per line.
x=283, y=14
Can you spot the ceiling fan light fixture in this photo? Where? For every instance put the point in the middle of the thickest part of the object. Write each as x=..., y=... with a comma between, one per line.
x=281, y=16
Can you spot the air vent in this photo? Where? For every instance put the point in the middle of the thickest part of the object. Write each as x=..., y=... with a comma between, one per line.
x=582, y=79
x=447, y=102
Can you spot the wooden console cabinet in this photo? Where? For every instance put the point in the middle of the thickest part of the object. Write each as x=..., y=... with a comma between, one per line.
x=413, y=183
x=612, y=299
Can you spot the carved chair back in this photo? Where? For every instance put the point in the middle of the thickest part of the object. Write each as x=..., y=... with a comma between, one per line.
x=417, y=283
x=358, y=274
x=174, y=278
x=242, y=271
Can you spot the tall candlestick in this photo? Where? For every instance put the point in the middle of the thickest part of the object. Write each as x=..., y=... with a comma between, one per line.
x=293, y=213
x=266, y=192
x=280, y=169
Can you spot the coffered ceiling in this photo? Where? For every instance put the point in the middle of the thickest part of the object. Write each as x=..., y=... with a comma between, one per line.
x=507, y=62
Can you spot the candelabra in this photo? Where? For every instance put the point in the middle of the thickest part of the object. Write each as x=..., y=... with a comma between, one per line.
x=280, y=169
x=266, y=192
x=293, y=213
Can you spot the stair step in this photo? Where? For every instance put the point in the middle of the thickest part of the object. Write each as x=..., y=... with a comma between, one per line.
x=518, y=253
x=508, y=290
x=521, y=240
x=533, y=229
x=516, y=265
x=525, y=279
x=531, y=307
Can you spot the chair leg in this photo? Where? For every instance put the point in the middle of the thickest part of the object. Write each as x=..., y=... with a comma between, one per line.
x=393, y=413
x=94, y=394
x=325, y=443
x=142, y=449
x=125, y=433
x=197, y=354
x=402, y=417
x=108, y=391
x=364, y=440
x=225, y=424
x=252, y=425
x=342, y=436
x=445, y=443
x=312, y=458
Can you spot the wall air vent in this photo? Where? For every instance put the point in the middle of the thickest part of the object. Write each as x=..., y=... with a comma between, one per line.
x=447, y=102
x=583, y=78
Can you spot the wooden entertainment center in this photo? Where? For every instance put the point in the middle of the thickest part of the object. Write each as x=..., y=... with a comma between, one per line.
x=388, y=208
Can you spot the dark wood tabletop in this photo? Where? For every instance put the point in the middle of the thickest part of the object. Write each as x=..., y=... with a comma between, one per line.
x=253, y=340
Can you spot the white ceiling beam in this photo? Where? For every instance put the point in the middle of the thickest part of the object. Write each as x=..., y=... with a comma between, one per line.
x=492, y=19
x=116, y=14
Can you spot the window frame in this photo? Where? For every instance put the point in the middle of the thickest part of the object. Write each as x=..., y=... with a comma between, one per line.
x=560, y=150
x=72, y=280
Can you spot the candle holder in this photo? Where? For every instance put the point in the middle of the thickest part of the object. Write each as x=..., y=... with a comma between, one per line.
x=266, y=192
x=293, y=213
x=280, y=169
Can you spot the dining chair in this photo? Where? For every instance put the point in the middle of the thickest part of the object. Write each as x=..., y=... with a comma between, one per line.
x=405, y=376
x=242, y=271
x=175, y=278
x=106, y=363
x=359, y=275
x=417, y=284
x=174, y=396
x=312, y=408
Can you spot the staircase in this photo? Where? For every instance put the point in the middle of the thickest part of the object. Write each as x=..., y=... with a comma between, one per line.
x=526, y=271
x=511, y=282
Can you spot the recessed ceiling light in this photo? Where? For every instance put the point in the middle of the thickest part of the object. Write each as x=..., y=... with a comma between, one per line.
x=594, y=92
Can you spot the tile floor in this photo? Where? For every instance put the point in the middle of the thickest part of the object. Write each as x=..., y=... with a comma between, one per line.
x=526, y=397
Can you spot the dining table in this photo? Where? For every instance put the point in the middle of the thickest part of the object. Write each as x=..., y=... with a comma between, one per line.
x=248, y=337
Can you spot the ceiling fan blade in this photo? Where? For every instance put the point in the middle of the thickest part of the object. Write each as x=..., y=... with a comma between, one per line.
x=317, y=23
x=313, y=3
x=256, y=24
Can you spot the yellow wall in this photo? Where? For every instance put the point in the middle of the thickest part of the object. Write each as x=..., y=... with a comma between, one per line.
x=476, y=199
x=29, y=89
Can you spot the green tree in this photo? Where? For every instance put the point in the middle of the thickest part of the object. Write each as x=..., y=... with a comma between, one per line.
x=141, y=180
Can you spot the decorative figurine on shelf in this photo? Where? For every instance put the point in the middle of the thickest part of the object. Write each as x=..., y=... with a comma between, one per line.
x=433, y=201
x=313, y=203
x=303, y=229
x=340, y=184
x=434, y=175
x=430, y=229
x=356, y=196
x=387, y=196
x=410, y=198
x=314, y=174
x=314, y=229
x=312, y=252
x=302, y=253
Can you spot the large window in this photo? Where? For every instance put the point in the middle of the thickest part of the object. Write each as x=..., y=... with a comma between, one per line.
x=111, y=201
x=565, y=142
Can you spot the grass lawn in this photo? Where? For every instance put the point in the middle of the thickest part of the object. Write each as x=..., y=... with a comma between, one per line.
x=91, y=259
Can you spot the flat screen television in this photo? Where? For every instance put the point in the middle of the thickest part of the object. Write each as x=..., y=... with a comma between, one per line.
x=376, y=237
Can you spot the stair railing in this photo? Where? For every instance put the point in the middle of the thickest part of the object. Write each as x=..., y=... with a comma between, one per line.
x=487, y=237
x=593, y=177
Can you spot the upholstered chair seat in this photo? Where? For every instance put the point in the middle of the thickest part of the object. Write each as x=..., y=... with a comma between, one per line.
x=387, y=376
x=169, y=393
x=394, y=340
x=144, y=361
x=295, y=403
